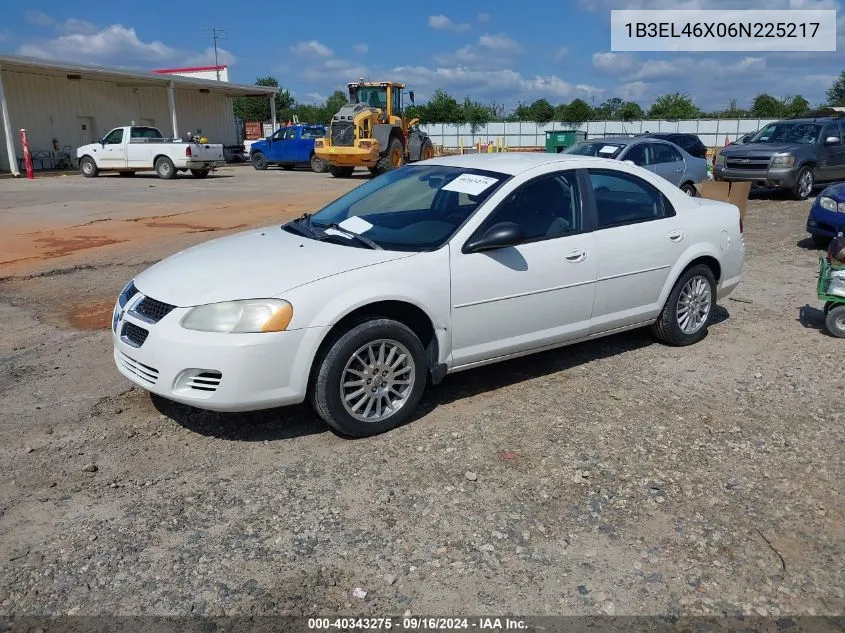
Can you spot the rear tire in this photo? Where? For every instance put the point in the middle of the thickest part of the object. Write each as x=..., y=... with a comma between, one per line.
x=88, y=167
x=318, y=165
x=804, y=183
x=393, y=158
x=689, y=309
x=259, y=161
x=834, y=321
x=396, y=371
x=165, y=169
x=689, y=189
x=427, y=150
x=199, y=173
x=340, y=172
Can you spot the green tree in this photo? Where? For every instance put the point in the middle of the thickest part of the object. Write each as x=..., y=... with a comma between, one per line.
x=796, y=105
x=609, y=109
x=497, y=111
x=577, y=111
x=258, y=108
x=522, y=112
x=630, y=111
x=673, y=106
x=560, y=112
x=836, y=93
x=475, y=113
x=767, y=107
x=311, y=113
x=334, y=103
x=442, y=108
x=541, y=111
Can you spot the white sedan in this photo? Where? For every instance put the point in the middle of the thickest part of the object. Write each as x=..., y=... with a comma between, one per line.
x=434, y=268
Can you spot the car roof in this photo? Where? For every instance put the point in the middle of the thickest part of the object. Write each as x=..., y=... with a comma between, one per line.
x=513, y=163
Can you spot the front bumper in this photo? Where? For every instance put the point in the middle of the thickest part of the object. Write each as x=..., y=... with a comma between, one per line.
x=343, y=156
x=219, y=372
x=764, y=177
x=823, y=222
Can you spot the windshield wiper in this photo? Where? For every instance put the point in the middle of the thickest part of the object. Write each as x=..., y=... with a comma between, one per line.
x=366, y=241
x=303, y=226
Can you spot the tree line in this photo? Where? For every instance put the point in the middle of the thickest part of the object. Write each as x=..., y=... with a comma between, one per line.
x=444, y=108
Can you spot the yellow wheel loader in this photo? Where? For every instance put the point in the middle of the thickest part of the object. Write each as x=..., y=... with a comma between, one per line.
x=370, y=131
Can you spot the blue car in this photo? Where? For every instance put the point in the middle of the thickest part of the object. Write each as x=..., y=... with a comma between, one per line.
x=290, y=146
x=827, y=215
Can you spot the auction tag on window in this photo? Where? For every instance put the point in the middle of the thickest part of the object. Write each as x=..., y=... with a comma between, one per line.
x=608, y=149
x=470, y=184
x=355, y=224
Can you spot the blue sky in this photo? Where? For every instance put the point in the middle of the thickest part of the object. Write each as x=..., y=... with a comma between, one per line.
x=497, y=50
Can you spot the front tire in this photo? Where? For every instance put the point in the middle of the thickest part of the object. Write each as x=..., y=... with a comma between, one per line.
x=804, y=183
x=834, y=321
x=427, y=150
x=88, y=167
x=393, y=158
x=689, y=309
x=318, y=165
x=371, y=379
x=165, y=169
x=259, y=161
x=340, y=172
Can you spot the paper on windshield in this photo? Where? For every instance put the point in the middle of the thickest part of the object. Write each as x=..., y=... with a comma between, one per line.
x=608, y=149
x=470, y=184
x=355, y=224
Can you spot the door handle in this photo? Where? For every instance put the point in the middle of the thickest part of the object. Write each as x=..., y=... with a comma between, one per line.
x=676, y=236
x=678, y=171
x=576, y=255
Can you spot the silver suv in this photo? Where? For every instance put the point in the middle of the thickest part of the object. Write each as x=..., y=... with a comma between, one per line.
x=794, y=154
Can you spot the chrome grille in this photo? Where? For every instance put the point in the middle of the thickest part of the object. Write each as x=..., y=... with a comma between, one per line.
x=144, y=372
x=343, y=133
x=152, y=310
x=748, y=162
x=133, y=335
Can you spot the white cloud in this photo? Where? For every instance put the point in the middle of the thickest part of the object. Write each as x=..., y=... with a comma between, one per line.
x=113, y=45
x=499, y=42
x=39, y=18
x=206, y=58
x=490, y=52
x=633, y=91
x=73, y=26
x=483, y=17
x=361, y=49
x=615, y=63
x=312, y=47
x=562, y=53
x=442, y=23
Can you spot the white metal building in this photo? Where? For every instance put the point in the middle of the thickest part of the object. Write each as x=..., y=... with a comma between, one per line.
x=63, y=106
x=219, y=73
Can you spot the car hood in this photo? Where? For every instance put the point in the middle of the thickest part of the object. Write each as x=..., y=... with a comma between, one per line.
x=250, y=265
x=837, y=192
x=262, y=145
x=759, y=149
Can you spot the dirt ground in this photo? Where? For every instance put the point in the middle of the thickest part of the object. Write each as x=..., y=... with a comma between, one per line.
x=614, y=477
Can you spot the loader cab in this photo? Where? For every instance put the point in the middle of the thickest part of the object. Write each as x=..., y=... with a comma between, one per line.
x=384, y=96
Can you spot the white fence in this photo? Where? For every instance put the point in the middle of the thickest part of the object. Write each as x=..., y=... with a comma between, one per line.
x=529, y=134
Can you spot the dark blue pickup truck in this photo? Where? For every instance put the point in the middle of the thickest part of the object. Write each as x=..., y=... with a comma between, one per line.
x=289, y=146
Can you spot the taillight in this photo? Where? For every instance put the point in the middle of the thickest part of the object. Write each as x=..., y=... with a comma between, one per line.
x=188, y=151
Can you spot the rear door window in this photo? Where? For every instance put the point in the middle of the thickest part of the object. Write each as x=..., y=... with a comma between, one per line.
x=626, y=199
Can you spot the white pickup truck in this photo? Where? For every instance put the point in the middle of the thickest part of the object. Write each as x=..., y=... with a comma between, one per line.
x=134, y=148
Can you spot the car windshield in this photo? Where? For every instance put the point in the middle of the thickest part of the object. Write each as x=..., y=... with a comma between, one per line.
x=803, y=133
x=414, y=208
x=596, y=148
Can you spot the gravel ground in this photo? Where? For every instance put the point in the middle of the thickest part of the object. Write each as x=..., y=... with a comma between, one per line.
x=615, y=477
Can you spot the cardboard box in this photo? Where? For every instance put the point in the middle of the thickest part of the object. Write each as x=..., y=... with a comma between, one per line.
x=734, y=192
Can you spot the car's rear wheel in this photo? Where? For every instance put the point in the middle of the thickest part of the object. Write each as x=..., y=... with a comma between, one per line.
x=89, y=167
x=689, y=309
x=165, y=169
x=689, y=189
x=371, y=379
x=803, y=184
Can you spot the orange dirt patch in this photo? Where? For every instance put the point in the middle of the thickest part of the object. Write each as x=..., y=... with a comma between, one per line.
x=91, y=316
x=59, y=246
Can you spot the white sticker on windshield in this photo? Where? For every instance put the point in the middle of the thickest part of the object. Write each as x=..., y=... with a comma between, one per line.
x=355, y=224
x=608, y=149
x=470, y=184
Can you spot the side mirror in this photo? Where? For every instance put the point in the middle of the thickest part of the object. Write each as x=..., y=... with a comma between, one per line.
x=411, y=96
x=102, y=141
x=500, y=235
x=630, y=162
x=833, y=140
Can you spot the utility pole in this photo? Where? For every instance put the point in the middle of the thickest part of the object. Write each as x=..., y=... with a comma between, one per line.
x=215, y=34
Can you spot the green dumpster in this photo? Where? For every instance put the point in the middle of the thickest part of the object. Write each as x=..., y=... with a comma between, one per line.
x=559, y=140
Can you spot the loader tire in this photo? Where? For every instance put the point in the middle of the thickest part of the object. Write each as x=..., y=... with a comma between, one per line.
x=393, y=158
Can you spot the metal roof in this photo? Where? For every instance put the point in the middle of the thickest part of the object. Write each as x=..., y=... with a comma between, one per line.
x=123, y=77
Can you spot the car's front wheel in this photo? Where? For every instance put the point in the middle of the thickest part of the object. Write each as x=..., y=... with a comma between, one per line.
x=804, y=183
x=689, y=308
x=371, y=379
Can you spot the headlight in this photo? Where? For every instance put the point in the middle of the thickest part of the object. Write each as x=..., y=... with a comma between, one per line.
x=830, y=204
x=249, y=315
x=123, y=298
x=783, y=161
x=720, y=160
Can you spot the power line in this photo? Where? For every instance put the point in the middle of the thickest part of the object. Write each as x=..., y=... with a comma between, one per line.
x=215, y=34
